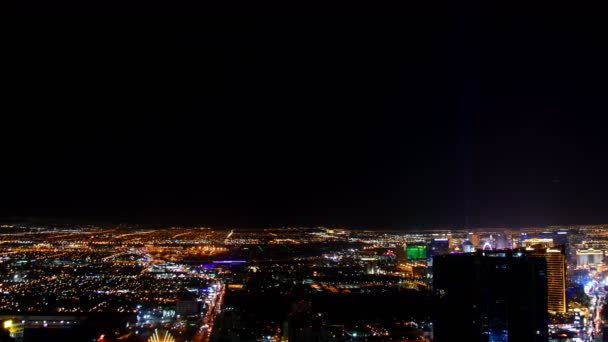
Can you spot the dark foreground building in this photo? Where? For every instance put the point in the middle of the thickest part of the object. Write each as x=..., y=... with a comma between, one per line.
x=493, y=296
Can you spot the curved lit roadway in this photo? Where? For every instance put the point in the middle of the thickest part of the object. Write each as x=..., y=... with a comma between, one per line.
x=595, y=323
x=203, y=334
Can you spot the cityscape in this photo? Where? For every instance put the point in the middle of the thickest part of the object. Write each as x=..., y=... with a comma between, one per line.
x=134, y=283
x=314, y=176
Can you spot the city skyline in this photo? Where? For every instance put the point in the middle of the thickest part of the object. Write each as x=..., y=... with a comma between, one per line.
x=136, y=283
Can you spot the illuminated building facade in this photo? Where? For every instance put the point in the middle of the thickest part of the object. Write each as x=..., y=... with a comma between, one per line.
x=556, y=278
x=474, y=238
x=588, y=257
x=490, y=296
x=415, y=252
x=467, y=247
x=164, y=336
x=542, y=242
x=14, y=328
x=488, y=242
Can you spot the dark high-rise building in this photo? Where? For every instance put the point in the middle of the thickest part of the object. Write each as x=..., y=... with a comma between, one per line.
x=545, y=235
x=560, y=239
x=439, y=247
x=400, y=255
x=498, y=296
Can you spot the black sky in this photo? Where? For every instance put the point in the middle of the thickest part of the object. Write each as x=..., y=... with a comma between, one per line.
x=396, y=122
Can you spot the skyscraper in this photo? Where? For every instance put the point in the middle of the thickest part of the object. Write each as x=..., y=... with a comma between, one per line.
x=438, y=247
x=561, y=239
x=490, y=296
x=474, y=238
x=400, y=256
x=556, y=277
x=556, y=280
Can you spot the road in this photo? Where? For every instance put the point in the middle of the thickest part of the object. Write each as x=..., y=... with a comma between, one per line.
x=594, y=326
x=214, y=309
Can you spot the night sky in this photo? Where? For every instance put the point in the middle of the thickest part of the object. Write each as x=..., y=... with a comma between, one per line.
x=372, y=122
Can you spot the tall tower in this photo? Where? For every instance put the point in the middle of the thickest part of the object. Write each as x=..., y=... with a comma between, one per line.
x=474, y=238
x=556, y=277
x=401, y=256
x=556, y=280
x=490, y=295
